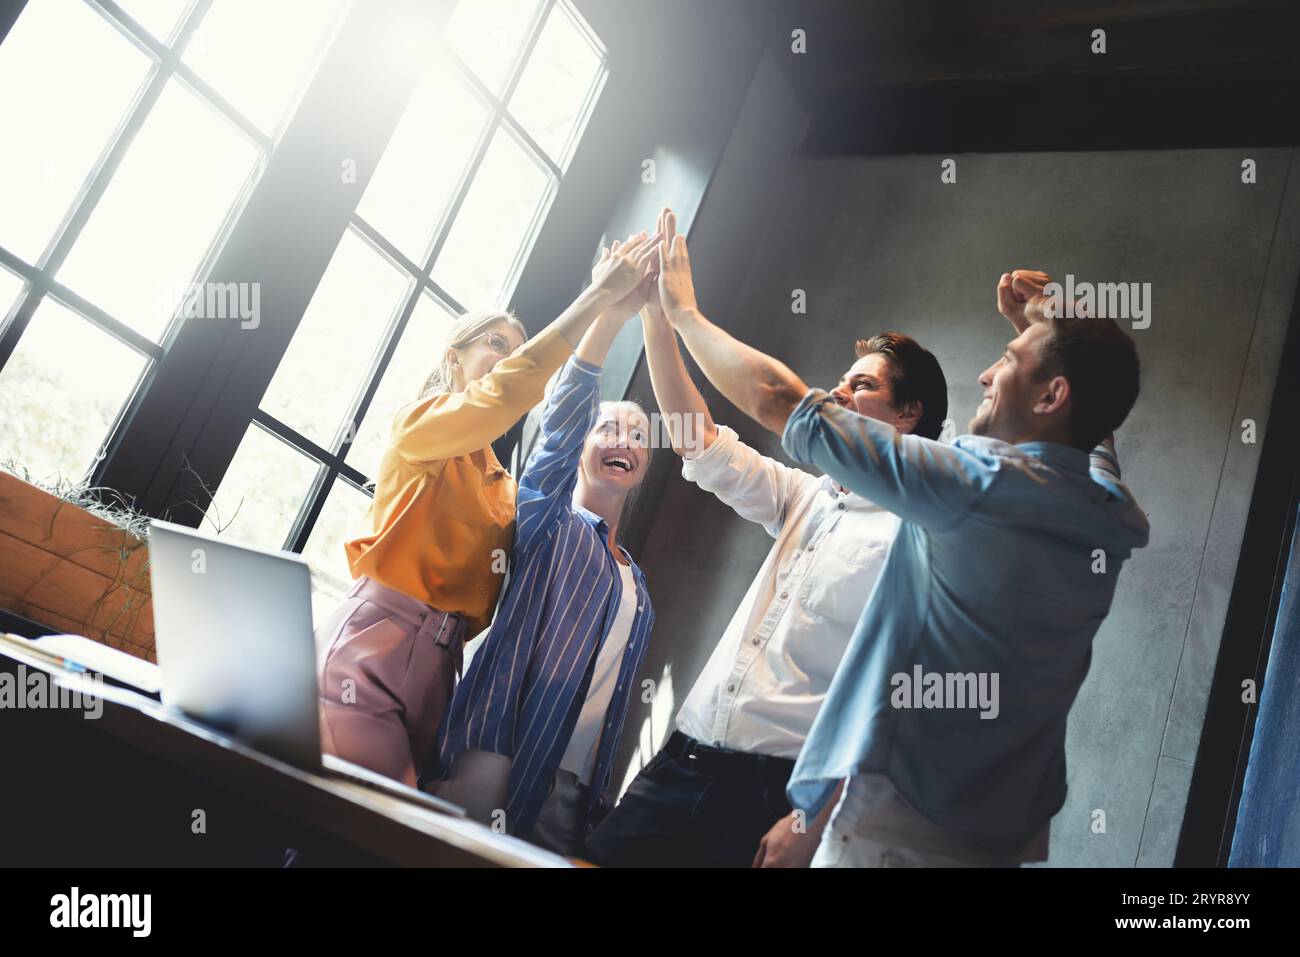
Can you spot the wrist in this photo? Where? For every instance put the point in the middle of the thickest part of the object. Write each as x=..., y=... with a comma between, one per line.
x=686, y=316
x=656, y=322
x=610, y=320
x=598, y=297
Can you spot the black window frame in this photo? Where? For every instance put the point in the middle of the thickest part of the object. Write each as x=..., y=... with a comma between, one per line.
x=167, y=64
x=180, y=429
x=332, y=462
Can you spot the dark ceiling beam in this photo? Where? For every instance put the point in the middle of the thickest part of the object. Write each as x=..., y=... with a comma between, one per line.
x=1241, y=106
x=900, y=76
x=867, y=43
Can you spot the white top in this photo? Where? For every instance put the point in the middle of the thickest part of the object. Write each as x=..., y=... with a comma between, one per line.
x=768, y=675
x=580, y=756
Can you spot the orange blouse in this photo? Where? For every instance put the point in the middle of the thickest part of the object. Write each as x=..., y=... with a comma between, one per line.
x=443, y=503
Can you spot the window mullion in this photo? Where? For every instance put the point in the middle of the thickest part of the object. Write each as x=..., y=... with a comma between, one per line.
x=206, y=389
x=498, y=105
x=462, y=190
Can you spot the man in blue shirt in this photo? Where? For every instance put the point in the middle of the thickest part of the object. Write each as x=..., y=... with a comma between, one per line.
x=947, y=714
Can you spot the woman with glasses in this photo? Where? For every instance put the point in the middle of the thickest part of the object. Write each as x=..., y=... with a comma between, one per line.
x=430, y=569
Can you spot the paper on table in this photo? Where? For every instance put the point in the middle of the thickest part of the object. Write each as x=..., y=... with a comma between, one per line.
x=110, y=662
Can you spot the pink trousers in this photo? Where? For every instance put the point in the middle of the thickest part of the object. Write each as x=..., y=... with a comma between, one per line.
x=388, y=665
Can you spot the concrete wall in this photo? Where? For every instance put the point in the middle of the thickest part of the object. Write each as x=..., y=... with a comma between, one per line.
x=881, y=243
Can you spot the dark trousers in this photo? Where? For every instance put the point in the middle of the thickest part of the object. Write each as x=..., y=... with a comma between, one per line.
x=694, y=806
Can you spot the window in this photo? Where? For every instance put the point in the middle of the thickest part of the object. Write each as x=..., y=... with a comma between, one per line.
x=445, y=224
x=134, y=131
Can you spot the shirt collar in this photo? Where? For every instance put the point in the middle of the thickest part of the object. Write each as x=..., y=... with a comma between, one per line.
x=1053, y=453
x=602, y=529
x=838, y=491
x=592, y=519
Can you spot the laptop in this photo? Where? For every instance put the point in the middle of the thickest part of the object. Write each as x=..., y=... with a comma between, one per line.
x=233, y=634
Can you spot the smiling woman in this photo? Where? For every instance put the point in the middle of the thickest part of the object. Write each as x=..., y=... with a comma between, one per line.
x=425, y=563
x=532, y=728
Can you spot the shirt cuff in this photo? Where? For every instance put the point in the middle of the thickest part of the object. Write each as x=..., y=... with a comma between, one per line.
x=698, y=465
x=1103, y=456
x=582, y=365
x=802, y=426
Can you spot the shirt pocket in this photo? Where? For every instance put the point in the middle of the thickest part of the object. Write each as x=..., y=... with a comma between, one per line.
x=843, y=572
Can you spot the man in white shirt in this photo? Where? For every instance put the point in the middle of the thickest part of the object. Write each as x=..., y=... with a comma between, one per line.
x=715, y=794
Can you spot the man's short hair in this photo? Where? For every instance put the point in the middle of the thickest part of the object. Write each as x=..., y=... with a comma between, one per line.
x=1100, y=361
x=914, y=376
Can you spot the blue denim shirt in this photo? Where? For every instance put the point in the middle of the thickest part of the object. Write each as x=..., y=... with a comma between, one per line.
x=1005, y=565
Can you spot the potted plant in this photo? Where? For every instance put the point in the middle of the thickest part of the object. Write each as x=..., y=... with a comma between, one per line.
x=75, y=558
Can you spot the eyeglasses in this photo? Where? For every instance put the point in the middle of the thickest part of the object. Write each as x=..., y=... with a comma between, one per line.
x=495, y=341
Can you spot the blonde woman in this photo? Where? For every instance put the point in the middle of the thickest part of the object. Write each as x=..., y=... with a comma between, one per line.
x=428, y=573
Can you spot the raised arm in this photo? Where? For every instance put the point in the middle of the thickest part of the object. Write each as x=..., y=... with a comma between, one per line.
x=548, y=479
x=675, y=392
x=547, y=482
x=457, y=423
x=760, y=386
x=448, y=424
x=920, y=480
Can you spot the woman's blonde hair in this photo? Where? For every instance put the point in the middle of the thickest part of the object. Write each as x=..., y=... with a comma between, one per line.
x=464, y=331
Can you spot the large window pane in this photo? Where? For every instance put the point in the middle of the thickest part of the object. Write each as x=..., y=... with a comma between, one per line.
x=424, y=161
x=68, y=78
x=553, y=89
x=423, y=343
x=343, y=518
x=335, y=343
x=61, y=391
x=488, y=35
x=148, y=235
x=262, y=491
x=257, y=53
x=495, y=222
x=159, y=17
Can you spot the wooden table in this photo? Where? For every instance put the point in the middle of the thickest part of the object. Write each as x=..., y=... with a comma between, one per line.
x=383, y=828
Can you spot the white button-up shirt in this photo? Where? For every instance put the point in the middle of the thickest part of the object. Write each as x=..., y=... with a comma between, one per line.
x=767, y=677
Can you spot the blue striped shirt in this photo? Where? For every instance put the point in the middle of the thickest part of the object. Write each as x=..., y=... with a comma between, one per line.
x=525, y=687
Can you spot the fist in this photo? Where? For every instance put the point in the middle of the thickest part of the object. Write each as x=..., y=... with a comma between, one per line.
x=1016, y=289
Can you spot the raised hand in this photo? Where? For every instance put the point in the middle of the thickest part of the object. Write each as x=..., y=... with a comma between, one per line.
x=1015, y=290
x=676, y=287
x=631, y=304
x=624, y=266
x=654, y=307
